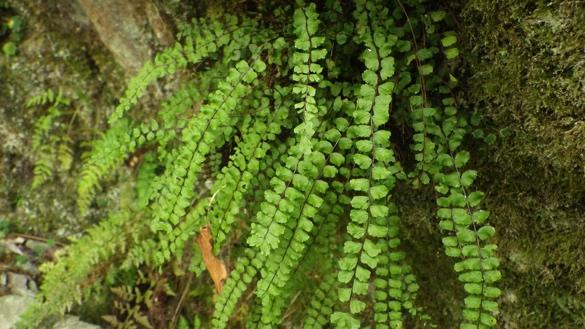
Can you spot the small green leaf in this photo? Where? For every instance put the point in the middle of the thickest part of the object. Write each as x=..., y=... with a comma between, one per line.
x=468, y=177
x=360, y=202
x=470, y=315
x=438, y=15
x=451, y=53
x=377, y=231
x=450, y=241
x=364, y=146
x=461, y=159
x=426, y=69
x=480, y=216
x=461, y=216
x=359, y=216
x=492, y=276
x=360, y=131
x=348, y=263
x=362, y=274
x=259, y=66
x=356, y=306
x=351, y=247
x=492, y=292
x=387, y=68
x=380, y=172
x=344, y=276
x=475, y=198
x=378, y=211
x=344, y=294
x=362, y=161
x=486, y=232
x=371, y=248
x=448, y=41
x=446, y=225
x=453, y=252
x=473, y=288
x=359, y=184
x=473, y=277
x=424, y=54
x=490, y=306
x=466, y=235
x=378, y=192
x=488, y=319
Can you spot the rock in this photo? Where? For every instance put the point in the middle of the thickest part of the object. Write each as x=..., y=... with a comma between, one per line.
x=21, y=285
x=73, y=322
x=12, y=306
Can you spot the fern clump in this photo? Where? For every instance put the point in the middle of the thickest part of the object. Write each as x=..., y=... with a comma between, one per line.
x=282, y=149
x=51, y=142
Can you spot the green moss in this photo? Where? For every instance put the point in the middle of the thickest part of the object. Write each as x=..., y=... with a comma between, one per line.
x=524, y=72
x=55, y=53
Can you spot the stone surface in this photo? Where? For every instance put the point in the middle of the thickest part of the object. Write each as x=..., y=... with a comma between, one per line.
x=121, y=27
x=12, y=306
x=73, y=322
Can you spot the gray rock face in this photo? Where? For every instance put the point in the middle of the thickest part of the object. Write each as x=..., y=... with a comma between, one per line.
x=73, y=322
x=12, y=306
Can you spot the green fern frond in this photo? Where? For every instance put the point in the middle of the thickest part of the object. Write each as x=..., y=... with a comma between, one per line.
x=202, y=39
x=240, y=277
x=44, y=165
x=283, y=143
x=68, y=280
x=198, y=138
x=322, y=303
x=49, y=141
x=376, y=170
x=467, y=231
x=231, y=187
x=307, y=70
x=109, y=152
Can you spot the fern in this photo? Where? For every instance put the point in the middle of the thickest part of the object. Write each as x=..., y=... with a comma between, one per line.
x=371, y=216
x=68, y=280
x=467, y=226
x=283, y=144
x=306, y=68
x=50, y=142
x=231, y=187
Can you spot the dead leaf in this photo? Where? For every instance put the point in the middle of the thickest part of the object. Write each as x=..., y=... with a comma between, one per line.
x=214, y=265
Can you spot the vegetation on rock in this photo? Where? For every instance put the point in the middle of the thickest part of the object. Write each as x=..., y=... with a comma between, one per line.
x=314, y=153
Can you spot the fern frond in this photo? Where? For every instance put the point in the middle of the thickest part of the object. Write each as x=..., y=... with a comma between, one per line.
x=322, y=303
x=199, y=137
x=203, y=39
x=47, y=139
x=283, y=147
x=240, y=277
x=64, y=154
x=307, y=70
x=299, y=232
x=44, y=165
x=377, y=167
x=467, y=230
x=232, y=185
x=321, y=259
x=280, y=202
x=109, y=152
x=66, y=281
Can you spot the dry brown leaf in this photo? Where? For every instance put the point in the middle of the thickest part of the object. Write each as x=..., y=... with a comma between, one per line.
x=214, y=265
